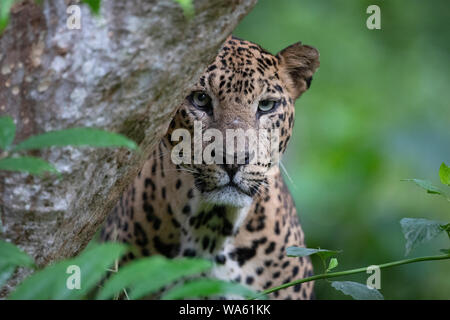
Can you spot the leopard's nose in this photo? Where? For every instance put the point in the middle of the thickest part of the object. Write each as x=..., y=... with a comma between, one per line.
x=232, y=169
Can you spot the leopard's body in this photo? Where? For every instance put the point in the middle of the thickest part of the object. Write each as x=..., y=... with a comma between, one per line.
x=241, y=217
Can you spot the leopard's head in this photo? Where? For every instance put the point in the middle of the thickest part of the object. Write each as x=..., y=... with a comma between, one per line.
x=245, y=88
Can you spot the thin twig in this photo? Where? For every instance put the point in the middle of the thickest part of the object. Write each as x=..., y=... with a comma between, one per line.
x=352, y=271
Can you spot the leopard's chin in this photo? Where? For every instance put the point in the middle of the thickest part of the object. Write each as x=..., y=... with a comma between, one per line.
x=228, y=196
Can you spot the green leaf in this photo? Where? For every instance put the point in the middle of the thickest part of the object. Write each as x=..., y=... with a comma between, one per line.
x=5, y=8
x=5, y=273
x=13, y=256
x=147, y=275
x=444, y=174
x=7, y=132
x=446, y=251
x=26, y=164
x=417, y=231
x=303, y=252
x=446, y=228
x=357, y=290
x=188, y=7
x=51, y=282
x=333, y=264
x=206, y=288
x=94, y=5
x=427, y=185
x=76, y=137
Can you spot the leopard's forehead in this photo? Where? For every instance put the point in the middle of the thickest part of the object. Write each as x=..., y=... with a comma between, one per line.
x=238, y=55
x=242, y=70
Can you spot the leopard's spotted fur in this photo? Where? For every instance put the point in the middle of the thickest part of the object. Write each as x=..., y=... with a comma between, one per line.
x=183, y=210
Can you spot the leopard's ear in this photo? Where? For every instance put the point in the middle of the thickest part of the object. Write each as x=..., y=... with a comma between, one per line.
x=297, y=65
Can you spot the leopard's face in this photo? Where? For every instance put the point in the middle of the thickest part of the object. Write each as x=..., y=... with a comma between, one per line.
x=246, y=90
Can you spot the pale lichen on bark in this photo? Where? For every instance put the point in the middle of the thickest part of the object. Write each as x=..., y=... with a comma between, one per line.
x=124, y=71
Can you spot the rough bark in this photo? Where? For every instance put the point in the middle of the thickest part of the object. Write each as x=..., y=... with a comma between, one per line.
x=124, y=71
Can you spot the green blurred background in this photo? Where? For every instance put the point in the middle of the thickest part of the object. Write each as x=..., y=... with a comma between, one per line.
x=378, y=111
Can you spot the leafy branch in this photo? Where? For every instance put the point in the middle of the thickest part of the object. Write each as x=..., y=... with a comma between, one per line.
x=444, y=175
x=138, y=279
x=355, y=271
x=10, y=161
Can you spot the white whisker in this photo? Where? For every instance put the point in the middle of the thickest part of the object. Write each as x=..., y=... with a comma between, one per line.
x=287, y=175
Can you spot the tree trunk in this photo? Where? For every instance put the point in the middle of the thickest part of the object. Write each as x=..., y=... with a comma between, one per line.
x=124, y=71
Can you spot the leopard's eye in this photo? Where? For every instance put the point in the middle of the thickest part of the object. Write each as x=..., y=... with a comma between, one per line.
x=201, y=100
x=266, y=105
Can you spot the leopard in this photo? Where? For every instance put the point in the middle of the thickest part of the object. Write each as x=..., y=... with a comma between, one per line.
x=239, y=216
